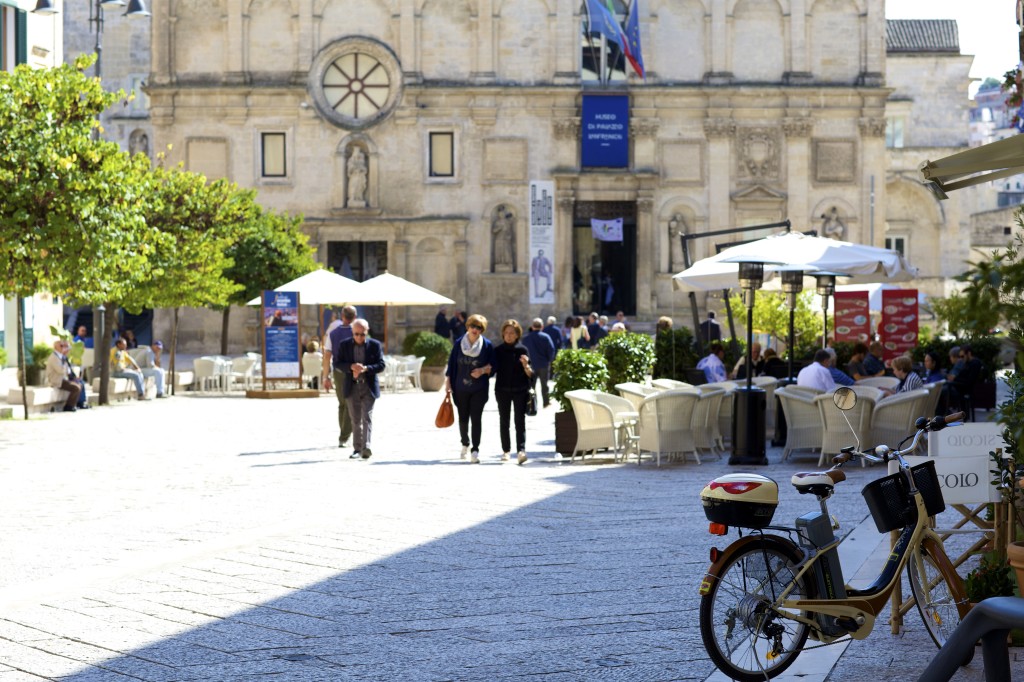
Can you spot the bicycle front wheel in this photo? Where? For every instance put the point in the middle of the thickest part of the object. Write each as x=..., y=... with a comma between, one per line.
x=745, y=637
x=938, y=591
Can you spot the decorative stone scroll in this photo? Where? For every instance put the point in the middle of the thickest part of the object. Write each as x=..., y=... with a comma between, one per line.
x=567, y=128
x=797, y=127
x=719, y=127
x=872, y=127
x=644, y=127
x=758, y=157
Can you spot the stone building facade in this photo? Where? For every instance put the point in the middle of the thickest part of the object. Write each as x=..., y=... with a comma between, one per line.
x=407, y=133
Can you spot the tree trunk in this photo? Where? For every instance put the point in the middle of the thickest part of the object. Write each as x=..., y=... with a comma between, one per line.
x=102, y=345
x=224, y=331
x=174, y=347
x=21, y=354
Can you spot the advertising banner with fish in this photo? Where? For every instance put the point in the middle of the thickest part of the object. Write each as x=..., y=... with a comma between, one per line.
x=899, y=321
x=852, y=321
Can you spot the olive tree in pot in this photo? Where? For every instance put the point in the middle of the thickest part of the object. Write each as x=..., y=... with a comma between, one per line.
x=435, y=350
x=574, y=369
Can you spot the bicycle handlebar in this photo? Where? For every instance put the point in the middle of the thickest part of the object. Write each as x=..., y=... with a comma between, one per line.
x=883, y=454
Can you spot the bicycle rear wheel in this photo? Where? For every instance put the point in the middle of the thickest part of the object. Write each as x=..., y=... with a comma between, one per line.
x=938, y=591
x=745, y=638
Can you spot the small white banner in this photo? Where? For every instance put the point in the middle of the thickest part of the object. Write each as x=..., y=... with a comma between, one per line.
x=542, y=241
x=606, y=230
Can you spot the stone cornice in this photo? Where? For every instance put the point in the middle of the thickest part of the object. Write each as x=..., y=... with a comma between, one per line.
x=797, y=127
x=719, y=127
x=872, y=127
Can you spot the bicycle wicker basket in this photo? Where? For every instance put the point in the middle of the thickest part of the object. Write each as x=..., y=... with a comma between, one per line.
x=890, y=502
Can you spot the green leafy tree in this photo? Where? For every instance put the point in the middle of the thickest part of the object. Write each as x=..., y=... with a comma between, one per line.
x=271, y=250
x=195, y=223
x=70, y=220
x=962, y=319
x=771, y=316
x=629, y=357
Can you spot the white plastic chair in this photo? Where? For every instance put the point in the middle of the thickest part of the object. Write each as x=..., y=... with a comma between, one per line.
x=204, y=374
x=666, y=423
x=242, y=372
x=408, y=373
x=803, y=421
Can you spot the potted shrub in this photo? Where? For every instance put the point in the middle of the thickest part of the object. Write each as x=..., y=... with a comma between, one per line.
x=574, y=369
x=36, y=369
x=674, y=354
x=629, y=357
x=990, y=579
x=435, y=350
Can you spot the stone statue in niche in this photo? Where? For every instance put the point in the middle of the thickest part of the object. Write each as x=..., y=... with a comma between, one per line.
x=832, y=225
x=503, y=240
x=676, y=226
x=138, y=143
x=357, y=179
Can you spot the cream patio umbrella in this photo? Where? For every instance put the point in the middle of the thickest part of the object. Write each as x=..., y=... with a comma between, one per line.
x=388, y=290
x=320, y=288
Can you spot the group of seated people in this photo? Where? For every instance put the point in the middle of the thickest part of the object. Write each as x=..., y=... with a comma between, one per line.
x=865, y=362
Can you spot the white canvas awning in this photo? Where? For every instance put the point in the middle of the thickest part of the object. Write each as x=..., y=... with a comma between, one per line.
x=988, y=162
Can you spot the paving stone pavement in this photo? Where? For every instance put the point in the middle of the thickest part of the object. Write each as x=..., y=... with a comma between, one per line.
x=220, y=538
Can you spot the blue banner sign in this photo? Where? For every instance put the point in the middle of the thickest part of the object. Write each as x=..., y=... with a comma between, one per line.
x=604, y=129
x=281, y=350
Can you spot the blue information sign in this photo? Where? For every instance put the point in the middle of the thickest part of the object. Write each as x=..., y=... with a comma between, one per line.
x=605, y=131
x=281, y=334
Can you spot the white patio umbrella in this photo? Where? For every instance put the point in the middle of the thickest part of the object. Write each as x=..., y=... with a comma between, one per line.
x=388, y=290
x=320, y=287
x=784, y=251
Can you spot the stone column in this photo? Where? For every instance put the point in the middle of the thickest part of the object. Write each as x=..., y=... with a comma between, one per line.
x=308, y=45
x=563, y=246
x=797, y=131
x=645, y=241
x=644, y=133
x=486, y=41
x=408, y=41
x=872, y=163
x=720, y=71
x=720, y=133
x=566, y=28
x=403, y=266
x=799, y=69
x=160, y=44
x=235, y=34
x=873, y=45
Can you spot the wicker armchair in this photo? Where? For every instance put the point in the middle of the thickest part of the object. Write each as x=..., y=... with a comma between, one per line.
x=803, y=421
x=635, y=392
x=836, y=433
x=725, y=409
x=705, y=420
x=599, y=421
x=889, y=383
x=893, y=417
x=769, y=384
x=666, y=423
x=669, y=384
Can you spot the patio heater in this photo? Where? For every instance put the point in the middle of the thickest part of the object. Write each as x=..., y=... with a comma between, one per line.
x=748, y=440
x=792, y=285
x=826, y=288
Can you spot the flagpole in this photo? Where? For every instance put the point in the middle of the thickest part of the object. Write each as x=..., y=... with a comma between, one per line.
x=590, y=41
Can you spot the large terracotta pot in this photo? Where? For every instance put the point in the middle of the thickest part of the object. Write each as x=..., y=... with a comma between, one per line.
x=431, y=378
x=1015, y=555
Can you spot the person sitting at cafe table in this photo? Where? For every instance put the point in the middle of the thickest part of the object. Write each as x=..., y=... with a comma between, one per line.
x=933, y=368
x=839, y=376
x=712, y=364
x=873, y=360
x=816, y=374
x=856, y=368
x=962, y=385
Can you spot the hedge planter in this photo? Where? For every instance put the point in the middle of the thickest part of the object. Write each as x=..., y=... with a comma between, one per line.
x=565, y=433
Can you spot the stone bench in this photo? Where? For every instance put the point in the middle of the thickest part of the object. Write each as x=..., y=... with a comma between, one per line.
x=38, y=398
x=123, y=389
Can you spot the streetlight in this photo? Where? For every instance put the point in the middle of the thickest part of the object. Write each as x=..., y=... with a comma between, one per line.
x=136, y=8
x=748, y=445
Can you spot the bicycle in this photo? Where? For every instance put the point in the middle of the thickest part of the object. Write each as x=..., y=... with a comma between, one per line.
x=766, y=594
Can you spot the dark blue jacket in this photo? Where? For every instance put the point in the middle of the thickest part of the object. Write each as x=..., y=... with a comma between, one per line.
x=541, y=350
x=458, y=361
x=344, y=356
x=555, y=333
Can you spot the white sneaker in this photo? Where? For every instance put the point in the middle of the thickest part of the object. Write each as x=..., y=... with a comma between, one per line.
x=465, y=451
x=504, y=457
x=521, y=457
x=474, y=457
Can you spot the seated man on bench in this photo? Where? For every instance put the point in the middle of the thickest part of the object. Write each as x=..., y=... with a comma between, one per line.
x=57, y=375
x=123, y=366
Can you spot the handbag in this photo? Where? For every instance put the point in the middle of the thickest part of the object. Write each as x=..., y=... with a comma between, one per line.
x=446, y=413
x=531, y=403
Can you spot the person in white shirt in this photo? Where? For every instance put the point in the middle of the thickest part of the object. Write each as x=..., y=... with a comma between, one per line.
x=816, y=374
x=714, y=368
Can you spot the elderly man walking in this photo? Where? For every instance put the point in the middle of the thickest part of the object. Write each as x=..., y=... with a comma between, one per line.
x=360, y=359
x=331, y=375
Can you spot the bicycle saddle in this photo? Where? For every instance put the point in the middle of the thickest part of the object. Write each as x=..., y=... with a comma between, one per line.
x=817, y=482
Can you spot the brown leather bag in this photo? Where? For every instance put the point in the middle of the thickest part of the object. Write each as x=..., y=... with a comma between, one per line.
x=446, y=413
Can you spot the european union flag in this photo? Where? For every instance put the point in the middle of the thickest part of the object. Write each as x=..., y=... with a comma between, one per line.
x=602, y=21
x=632, y=47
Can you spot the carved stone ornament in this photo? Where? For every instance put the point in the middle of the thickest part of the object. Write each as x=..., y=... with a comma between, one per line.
x=832, y=225
x=566, y=203
x=719, y=127
x=644, y=127
x=797, y=127
x=872, y=127
x=758, y=153
x=567, y=128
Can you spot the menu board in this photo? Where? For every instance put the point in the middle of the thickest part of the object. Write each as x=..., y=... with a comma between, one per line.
x=281, y=349
x=851, y=321
x=899, y=321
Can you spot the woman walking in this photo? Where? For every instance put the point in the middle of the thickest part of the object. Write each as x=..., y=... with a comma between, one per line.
x=512, y=387
x=469, y=368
